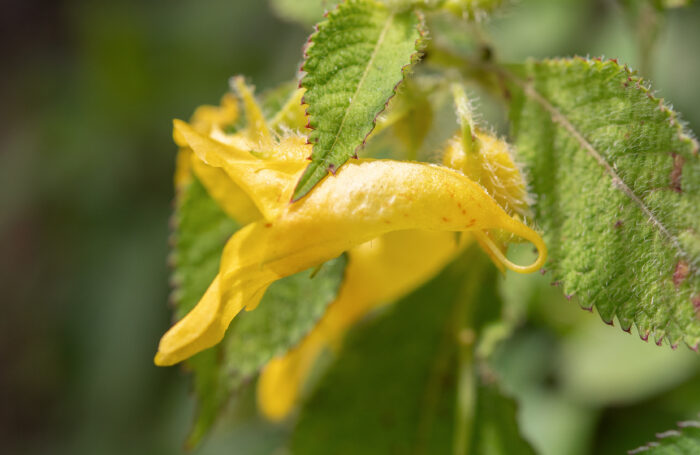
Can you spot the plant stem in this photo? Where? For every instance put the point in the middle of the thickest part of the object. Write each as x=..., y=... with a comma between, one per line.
x=478, y=271
x=466, y=391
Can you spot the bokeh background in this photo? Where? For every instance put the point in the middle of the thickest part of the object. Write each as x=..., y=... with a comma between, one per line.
x=88, y=90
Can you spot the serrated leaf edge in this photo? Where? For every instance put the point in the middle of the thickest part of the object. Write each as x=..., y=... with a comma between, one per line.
x=558, y=117
x=665, y=434
x=672, y=117
x=414, y=58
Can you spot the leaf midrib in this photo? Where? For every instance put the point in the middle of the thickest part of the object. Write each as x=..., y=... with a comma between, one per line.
x=378, y=44
x=563, y=121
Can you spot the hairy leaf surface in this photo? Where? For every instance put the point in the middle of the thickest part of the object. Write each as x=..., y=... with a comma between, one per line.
x=353, y=64
x=289, y=309
x=201, y=230
x=617, y=181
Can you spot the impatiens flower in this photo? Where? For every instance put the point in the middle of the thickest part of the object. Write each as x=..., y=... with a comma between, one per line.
x=390, y=266
x=396, y=219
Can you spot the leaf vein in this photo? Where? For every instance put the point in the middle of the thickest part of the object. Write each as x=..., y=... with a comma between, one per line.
x=380, y=40
x=563, y=121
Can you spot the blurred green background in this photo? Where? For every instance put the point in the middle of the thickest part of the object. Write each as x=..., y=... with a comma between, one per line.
x=89, y=89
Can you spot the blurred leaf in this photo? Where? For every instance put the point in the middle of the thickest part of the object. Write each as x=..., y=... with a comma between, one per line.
x=647, y=19
x=659, y=4
x=416, y=120
x=394, y=386
x=284, y=109
x=210, y=391
x=496, y=426
x=617, y=180
x=403, y=130
x=353, y=64
x=601, y=366
x=473, y=9
x=305, y=12
x=394, y=382
x=554, y=424
x=683, y=441
x=273, y=100
x=289, y=309
x=674, y=3
x=627, y=425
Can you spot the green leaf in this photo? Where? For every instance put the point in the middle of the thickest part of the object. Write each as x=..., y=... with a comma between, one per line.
x=201, y=230
x=602, y=367
x=496, y=425
x=287, y=312
x=684, y=440
x=394, y=387
x=408, y=128
x=617, y=181
x=283, y=109
x=658, y=4
x=273, y=101
x=415, y=121
x=305, y=12
x=472, y=9
x=353, y=64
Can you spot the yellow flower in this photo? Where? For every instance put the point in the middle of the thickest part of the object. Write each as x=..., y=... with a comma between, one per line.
x=386, y=268
x=397, y=221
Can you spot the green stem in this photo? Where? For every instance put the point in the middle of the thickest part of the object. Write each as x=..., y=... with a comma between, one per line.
x=466, y=391
x=649, y=24
x=478, y=271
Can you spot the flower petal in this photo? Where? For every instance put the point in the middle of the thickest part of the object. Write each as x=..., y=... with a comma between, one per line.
x=208, y=118
x=365, y=200
x=379, y=271
x=257, y=129
x=183, y=168
x=262, y=180
x=205, y=325
x=229, y=196
x=202, y=327
x=368, y=198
